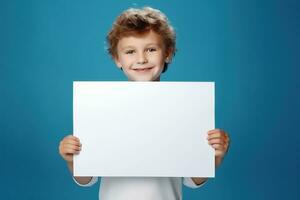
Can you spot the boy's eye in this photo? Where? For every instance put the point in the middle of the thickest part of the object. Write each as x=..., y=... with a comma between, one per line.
x=151, y=49
x=129, y=52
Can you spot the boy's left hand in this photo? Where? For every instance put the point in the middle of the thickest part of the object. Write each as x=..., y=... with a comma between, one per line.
x=219, y=140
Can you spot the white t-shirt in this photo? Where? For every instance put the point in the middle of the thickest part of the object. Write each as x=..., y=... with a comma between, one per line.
x=141, y=188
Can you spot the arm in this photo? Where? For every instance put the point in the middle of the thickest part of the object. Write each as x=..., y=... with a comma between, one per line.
x=83, y=180
x=219, y=140
x=69, y=146
x=198, y=181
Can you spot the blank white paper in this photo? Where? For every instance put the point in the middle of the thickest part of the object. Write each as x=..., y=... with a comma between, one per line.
x=147, y=129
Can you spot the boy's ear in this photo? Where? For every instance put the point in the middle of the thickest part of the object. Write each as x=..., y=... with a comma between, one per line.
x=119, y=65
x=169, y=54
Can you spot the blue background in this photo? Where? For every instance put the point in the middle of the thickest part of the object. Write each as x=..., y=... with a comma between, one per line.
x=249, y=48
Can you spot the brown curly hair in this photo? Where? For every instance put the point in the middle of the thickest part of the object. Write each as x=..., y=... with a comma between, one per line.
x=138, y=21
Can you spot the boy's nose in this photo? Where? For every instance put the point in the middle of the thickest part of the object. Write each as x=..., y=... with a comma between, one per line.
x=142, y=59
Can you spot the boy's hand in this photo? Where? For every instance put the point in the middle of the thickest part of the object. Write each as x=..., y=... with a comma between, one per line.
x=69, y=146
x=219, y=140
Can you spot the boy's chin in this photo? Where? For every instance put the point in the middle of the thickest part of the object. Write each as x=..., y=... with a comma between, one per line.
x=144, y=79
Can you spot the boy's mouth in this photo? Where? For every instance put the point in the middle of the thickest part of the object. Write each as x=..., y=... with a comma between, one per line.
x=143, y=69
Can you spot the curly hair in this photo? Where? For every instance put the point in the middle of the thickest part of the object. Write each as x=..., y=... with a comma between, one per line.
x=138, y=21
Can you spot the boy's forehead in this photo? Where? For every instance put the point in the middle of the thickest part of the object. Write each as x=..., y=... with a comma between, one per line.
x=134, y=39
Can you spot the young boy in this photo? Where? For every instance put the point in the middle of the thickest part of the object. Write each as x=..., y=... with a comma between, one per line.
x=142, y=44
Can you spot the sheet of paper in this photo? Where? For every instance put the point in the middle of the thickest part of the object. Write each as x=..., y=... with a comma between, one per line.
x=155, y=129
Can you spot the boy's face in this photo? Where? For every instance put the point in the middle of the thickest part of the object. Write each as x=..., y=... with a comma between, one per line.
x=142, y=57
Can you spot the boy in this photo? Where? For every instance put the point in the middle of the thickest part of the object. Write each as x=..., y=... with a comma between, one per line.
x=142, y=44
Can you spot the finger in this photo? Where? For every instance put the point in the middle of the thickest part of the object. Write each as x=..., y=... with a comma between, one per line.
x=70, y=151
x=71, y=146
x=217, y=141
x=215, y=131
x=68, y=139
x=218, y=146
x=216, y=135
x=72, y=142
x=72, y=137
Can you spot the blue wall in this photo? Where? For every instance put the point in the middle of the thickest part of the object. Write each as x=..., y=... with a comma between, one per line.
x=249, y=48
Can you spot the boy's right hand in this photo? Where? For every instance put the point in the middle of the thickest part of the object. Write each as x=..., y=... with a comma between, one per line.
x=69, y=146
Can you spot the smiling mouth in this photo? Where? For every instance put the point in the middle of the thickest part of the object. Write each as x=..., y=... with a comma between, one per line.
x=143, y=69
